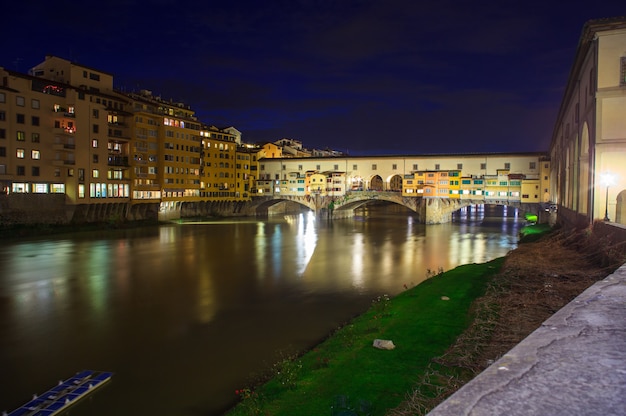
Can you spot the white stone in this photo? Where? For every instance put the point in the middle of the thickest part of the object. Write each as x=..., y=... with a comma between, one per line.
x=384, y=344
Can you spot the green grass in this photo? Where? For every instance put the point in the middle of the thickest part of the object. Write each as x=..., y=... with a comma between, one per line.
x=418, y=321
x=530, y=217
x=534, y=232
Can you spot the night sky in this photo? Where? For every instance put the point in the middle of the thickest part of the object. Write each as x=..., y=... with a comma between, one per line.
x=363, y=76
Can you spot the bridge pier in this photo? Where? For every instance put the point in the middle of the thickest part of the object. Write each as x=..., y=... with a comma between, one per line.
x=436, y=212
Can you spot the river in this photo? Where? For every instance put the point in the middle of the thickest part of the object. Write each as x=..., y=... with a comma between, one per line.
x=185, y=314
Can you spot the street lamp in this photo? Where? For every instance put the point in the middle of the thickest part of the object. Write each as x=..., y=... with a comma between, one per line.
x=607, y=179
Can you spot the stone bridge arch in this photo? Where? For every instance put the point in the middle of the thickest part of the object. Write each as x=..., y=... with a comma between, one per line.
x=264, y=205
x=344, y=207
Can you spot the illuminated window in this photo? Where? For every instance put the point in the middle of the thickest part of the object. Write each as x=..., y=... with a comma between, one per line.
x=35, y=154
x=94, y=143
x=95, y=173
x=20, y=153
x=81, y=191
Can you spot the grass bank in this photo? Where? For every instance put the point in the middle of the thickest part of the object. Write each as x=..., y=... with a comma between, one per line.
x=346, y=371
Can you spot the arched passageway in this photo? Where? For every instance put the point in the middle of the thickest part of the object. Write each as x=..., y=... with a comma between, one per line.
x=376, y=184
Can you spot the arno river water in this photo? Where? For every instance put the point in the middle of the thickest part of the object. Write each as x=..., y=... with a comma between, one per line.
x=184, y=314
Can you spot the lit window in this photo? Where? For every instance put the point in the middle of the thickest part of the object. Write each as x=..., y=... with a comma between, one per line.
x=95, y=173
x=35, y=154
x=20, y=153
x=94, y=143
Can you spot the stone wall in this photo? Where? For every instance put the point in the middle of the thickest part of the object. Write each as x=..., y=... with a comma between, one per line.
x=572, y=219
x=32, y=209
x=26, y=209
x=614, y=233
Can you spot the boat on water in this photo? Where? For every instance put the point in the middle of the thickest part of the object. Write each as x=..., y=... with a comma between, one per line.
x=63, y=395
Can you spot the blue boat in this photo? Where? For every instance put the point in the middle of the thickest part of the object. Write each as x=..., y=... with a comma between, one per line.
x=63, y=395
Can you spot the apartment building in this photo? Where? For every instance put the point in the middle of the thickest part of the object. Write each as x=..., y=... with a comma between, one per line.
x=64, y=129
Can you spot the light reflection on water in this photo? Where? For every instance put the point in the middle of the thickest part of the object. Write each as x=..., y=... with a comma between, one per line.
x=184, y=314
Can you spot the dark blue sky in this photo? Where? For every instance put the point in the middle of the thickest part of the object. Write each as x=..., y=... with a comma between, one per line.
x=363, y=76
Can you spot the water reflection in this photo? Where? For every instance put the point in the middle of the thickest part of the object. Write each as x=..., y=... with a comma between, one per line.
x=167, y=309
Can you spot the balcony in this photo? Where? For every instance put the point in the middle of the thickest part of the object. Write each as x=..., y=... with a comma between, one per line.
x=118, y=134
x=64, y=130
x=118, y=161
x=67, y=147
x=63, y=162
x=64, y=111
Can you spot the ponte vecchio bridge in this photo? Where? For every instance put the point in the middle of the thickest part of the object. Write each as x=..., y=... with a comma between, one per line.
x=434, y=186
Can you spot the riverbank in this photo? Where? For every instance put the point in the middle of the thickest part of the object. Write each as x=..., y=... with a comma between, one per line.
x=446, y=330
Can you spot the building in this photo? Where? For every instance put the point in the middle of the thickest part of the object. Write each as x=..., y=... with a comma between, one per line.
x=588, y=148
x=65, y=130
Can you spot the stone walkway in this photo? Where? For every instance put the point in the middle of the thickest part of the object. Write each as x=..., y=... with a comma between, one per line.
x=574, y=364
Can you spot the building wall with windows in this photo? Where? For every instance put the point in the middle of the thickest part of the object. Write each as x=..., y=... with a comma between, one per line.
x=361, y=173
x=65, y=130
x=588, y=175
x=56, y=139
x=218, y=162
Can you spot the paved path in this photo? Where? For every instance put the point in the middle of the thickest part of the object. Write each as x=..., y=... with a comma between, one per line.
x=574, y=364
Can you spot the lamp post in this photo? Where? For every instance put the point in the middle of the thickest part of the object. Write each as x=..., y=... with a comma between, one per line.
x=606, y=209
x=607, y=180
